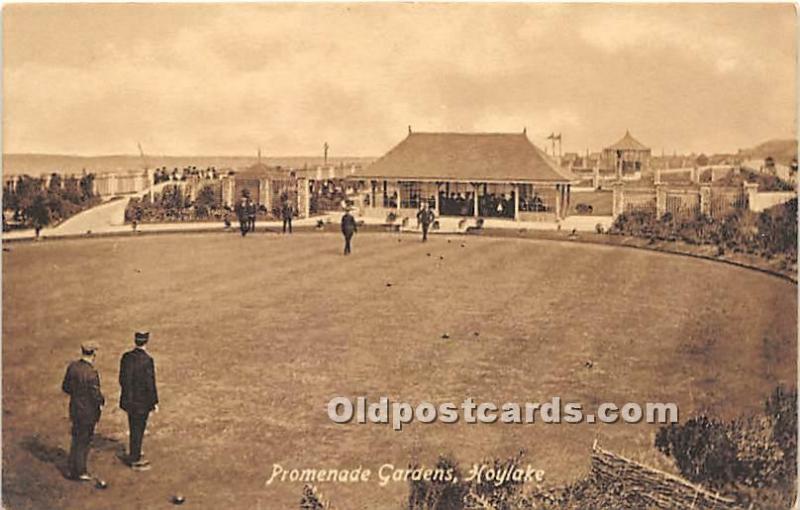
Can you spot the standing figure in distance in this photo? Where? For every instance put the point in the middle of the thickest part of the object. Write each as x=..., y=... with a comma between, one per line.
x=82, y=384
x=348, y=229
x=241, y=215
x=286, y=213
x=139, y=396
x=425, y=218
x=252, y=210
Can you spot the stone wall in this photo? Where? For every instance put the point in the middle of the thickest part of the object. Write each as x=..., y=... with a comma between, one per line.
x=761, y=200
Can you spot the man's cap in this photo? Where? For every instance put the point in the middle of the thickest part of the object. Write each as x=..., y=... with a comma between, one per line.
x=88, y=349
x=141, y=337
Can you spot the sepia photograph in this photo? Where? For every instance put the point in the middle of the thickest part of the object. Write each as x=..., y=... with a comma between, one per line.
x=400, y=256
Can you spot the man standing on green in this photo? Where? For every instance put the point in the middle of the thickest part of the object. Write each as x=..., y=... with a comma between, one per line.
x=287, y=212
x=426, y=218
x=82, y=384
x=252, y=212
x=241, y=214
x=348, y=229
x=139, y=396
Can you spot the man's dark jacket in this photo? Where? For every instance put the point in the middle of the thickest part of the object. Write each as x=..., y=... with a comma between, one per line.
x=82, y=384
x=137, y=376
x=348, y=224
x=425, y=216
x=286, y=211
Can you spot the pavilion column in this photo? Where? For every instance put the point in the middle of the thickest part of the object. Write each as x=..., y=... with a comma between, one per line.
x=398, y=196
x=436, y=200
x=307, y=184
x=476, y=189
x=516, y=202
x=267, y=194
x=558, y=201
x=263, y=193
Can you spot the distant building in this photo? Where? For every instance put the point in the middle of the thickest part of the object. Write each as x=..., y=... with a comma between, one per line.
x=264, y=185
x=467, y=174
x=628, y=157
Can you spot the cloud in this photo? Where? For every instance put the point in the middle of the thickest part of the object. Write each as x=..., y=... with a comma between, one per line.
x=225, y=78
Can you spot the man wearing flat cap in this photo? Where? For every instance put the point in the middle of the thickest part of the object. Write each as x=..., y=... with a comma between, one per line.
x=82, y=384
x=137, y=377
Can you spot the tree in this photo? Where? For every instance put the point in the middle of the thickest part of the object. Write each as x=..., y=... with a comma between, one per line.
x=87, y=186
x=38, y=212
x=55, y=182
x=206, y=201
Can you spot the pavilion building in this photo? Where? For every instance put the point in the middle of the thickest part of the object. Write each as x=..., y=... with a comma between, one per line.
x=264, y=185
x=627, y=158
x=499, y=175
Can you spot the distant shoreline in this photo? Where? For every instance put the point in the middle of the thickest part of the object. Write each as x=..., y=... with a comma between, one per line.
x=43, y=164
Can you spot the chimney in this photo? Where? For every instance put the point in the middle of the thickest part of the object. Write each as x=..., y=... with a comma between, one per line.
x=409, y=129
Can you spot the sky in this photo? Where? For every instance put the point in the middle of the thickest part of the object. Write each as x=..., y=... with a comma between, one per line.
x=216, y=79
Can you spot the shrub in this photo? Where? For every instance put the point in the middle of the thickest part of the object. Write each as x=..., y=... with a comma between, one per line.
x=754, y=451
x=781, y=407
x=310, y=499
x=454, y=493
x=437, y=494
x=701, y=448
x=770, y=233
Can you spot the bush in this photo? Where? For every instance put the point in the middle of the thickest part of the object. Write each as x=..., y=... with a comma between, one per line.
x=310, y=499
x=438, y=494
x=754, y=451
x=702, y=450
x=635, y=223
x=453, y=493
x=36, y=205
x=781, y=407
x=769, y=234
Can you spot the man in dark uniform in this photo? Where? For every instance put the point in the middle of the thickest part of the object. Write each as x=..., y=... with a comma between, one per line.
x=138, y=213
x=241, y=214
x=252, y=210
x=82, y=384
x=425, y=217
x=286, y=214
x=348, y=229
x=137, y=377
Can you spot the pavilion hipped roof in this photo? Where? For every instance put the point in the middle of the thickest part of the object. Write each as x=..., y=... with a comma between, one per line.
x=628, y=143
x=467, y=157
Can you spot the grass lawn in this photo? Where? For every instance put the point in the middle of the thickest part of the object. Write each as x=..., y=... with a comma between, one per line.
x=601, y=202
x=253, y=336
